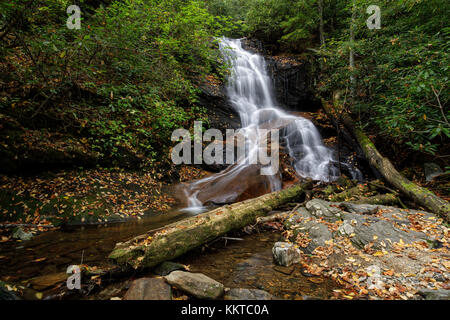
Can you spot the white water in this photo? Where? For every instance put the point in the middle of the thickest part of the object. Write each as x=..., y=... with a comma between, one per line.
x=251, y=94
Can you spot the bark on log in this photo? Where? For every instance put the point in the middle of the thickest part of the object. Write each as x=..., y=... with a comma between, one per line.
x=381, y=199
x=419, y=195
x=358, y=191
x=154, y=247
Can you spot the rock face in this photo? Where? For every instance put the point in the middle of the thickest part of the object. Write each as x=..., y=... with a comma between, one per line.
x=149, y=289
x=285, y=254
x=291, y=75
x=248, y=294
x=293, y=82
x=196, y=284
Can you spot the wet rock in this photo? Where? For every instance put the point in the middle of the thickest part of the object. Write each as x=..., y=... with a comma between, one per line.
x=431, y=170
x=285, y=254
x=346, y=229
x=372, y=229
x=292, y=82
x=320, y=208
x=167, y=267
x=300, y=215
x=247, y=294
x=196, y=284
x=319, y=234
x=284, y=270
x=149, y=289
x=48, y=281
x=7, y=292
x=304, y=222
x=22, y=235
x=440, y=294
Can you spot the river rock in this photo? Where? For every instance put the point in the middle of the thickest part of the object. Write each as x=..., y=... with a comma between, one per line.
x=7, y=292
x=431, y=170
x=326, y=210
x=22, y=235
x=247, y=294
x=299, y=216
x=167, y=267
x=440, y=294
x=149, y=289
x=285, y=254
x=196, y=284
x=48, y=281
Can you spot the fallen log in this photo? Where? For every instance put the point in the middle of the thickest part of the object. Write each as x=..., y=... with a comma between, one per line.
x=419, y=195
x=175, y=239
x=359, y=190
x=381, y=199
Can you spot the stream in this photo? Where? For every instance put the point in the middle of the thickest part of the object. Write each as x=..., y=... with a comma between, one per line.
x=247, y=263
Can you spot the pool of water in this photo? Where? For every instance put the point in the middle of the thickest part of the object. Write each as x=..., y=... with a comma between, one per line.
x=54, y=251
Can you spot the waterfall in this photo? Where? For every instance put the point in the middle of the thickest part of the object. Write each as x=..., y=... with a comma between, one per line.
x=251, y=94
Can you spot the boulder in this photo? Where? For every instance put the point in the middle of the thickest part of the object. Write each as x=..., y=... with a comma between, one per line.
x=21, y=235
x=317, y=232
x=196, y=284
x=149, y=289
x=300, y=215
x=285, y=254
x=320, y=208
x=247, y=294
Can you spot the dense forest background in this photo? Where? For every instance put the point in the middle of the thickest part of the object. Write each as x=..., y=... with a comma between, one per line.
x=112, y=92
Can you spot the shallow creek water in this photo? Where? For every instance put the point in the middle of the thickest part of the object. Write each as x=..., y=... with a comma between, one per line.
x=61, y=248
x=249, y=264
x=238, y=264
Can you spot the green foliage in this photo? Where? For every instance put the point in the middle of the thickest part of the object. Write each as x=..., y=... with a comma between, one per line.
x=125, y=80
x=401, y=72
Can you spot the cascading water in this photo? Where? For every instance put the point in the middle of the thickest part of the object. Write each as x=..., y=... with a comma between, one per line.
x=251, y=94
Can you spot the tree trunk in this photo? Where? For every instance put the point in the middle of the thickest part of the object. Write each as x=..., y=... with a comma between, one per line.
x=175, y=239
x=420, y=195
x=321, y=27
x=352, y=54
